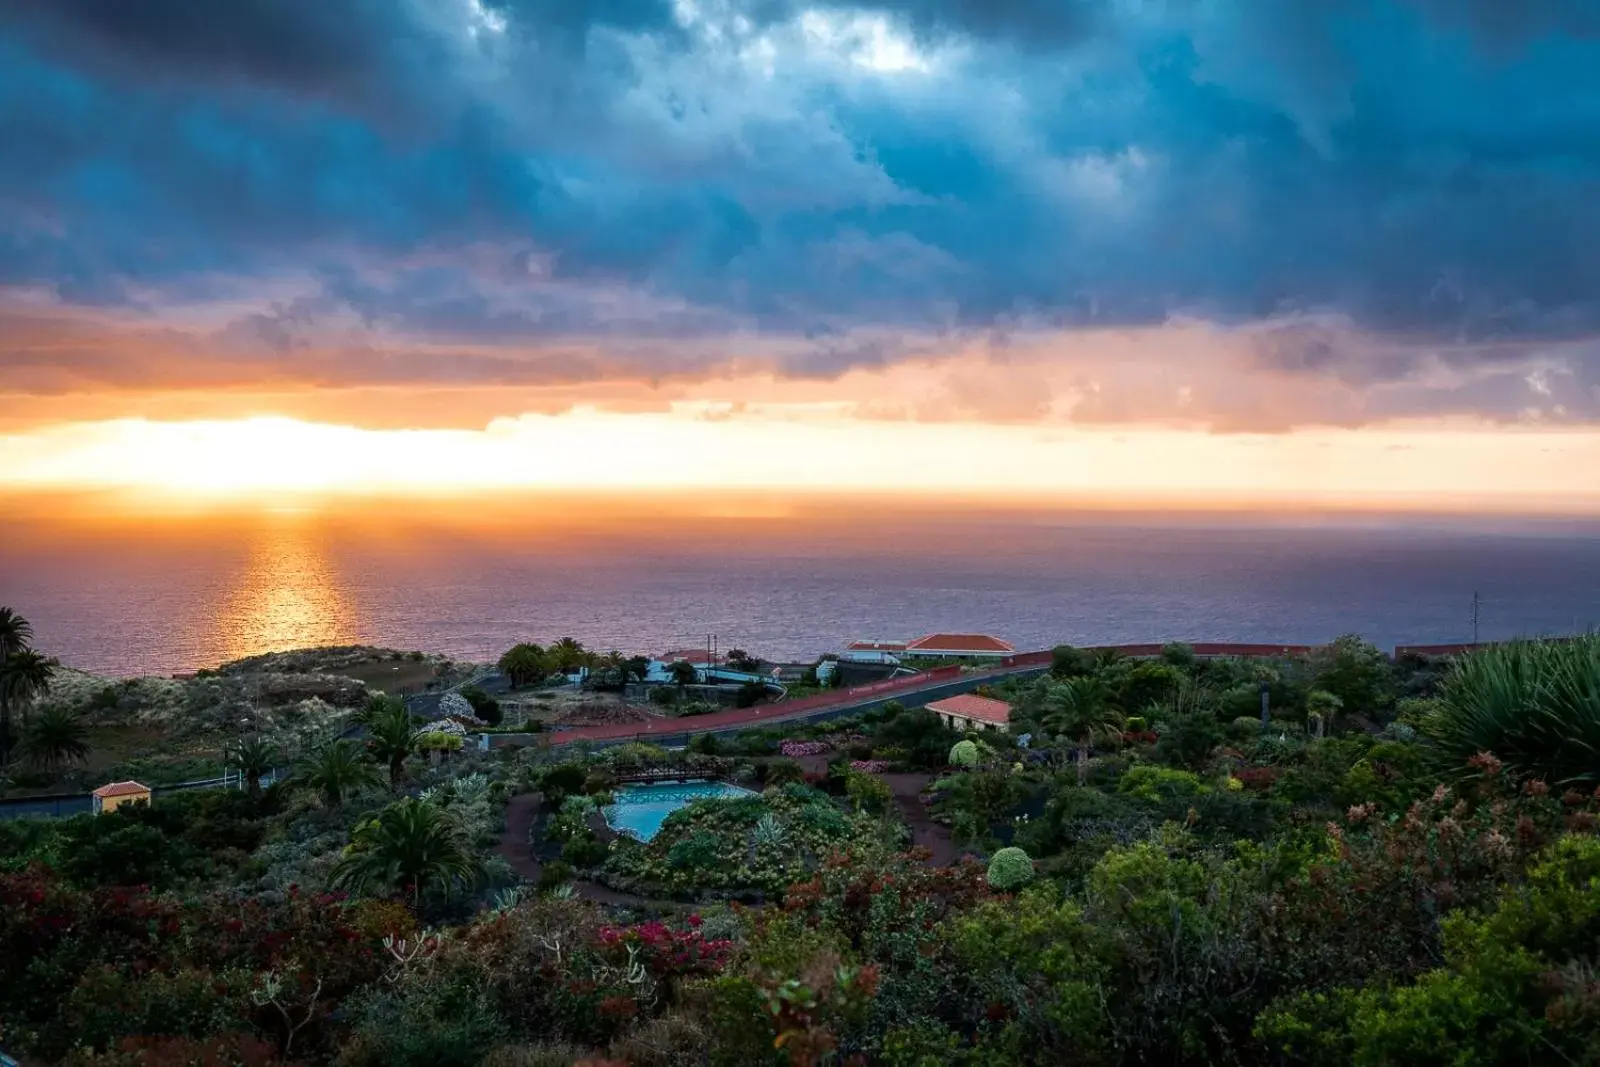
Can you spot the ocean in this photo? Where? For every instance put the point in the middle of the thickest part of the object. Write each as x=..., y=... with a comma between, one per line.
x=151, y=591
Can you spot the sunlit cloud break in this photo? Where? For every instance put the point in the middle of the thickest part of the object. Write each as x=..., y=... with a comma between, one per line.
x=1095, y=218
x=819, y=453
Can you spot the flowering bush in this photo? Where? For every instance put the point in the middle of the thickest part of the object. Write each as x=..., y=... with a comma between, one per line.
x=666, y=952
x=796, y=749
x=869, y=766
x=1010, y=869
x=1259, y=779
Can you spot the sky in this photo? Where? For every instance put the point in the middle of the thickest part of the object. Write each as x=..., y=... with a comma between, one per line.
x=1332, y=249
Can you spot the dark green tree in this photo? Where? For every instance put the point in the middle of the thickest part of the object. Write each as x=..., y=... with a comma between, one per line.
x=1357, y=672
x=254, y=758
x=683, y=674
x=524, y=664
x=55, y=738
x=337, y=769
x=412, y=847
x=391, y=734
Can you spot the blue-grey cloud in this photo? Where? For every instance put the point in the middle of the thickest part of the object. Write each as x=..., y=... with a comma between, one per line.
x=1419, y=174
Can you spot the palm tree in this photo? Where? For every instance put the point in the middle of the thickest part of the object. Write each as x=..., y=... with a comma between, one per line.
x=683, y=673
x=568, y=653
x=412, y=846
x=16, y=633
x=1075, y=710
x=391, y=735
x=25, y=675
x=337, y=769
x=254, y=758
x=56, y=738
x=523, y=663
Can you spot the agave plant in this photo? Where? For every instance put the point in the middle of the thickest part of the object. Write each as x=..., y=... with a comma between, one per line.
x=509, y=897
x=1534, y=705
x=471, y=788
x=769, y=831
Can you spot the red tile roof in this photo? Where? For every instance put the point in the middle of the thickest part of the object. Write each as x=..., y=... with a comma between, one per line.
x=121, y=789
x=969, y=706
x=876, y=646
x=978, y=643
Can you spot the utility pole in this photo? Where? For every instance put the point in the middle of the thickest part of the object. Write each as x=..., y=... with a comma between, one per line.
x=1474, y=617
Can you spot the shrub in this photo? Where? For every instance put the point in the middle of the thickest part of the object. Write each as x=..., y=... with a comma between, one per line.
x=557, y=782
x=1188, y=738
x=1356, y=672
x=484, y=706
x=964, y=754
x=1534, y=705
x=1146, y=781
x=783, y=772
x=749, y=694
x=1010, y=869
x=1069, y=662
x=697, y=851
x=867, y=791
x=555, y=873
x=584, y=853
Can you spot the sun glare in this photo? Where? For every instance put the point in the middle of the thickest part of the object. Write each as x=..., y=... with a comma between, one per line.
x=591, y=450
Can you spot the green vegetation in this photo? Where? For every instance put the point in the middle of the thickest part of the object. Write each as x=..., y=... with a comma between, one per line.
x=25, y=673
x=336, y=770
x=1010, y=870
x=1402, y=867
x=1535, y=706
x=747, y=846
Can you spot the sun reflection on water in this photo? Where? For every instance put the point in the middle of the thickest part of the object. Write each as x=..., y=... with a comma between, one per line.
x=287, y=597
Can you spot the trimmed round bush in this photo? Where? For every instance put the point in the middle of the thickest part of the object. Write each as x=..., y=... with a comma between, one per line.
x=964, y=754
x=1010, y=869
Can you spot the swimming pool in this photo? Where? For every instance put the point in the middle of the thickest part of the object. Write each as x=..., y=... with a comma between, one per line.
x=640, y=809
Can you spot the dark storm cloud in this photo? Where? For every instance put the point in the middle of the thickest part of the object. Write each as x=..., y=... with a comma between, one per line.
x=1402, y=191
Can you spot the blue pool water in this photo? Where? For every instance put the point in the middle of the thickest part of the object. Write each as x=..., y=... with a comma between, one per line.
x=640, y=810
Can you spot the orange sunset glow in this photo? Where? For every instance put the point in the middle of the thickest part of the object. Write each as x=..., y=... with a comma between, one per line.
x=807, y=451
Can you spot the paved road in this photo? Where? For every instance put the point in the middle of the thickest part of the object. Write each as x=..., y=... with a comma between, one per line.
x=425, y=705
x=669, y=731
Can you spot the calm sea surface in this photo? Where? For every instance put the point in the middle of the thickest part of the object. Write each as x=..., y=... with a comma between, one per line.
x=143, y=595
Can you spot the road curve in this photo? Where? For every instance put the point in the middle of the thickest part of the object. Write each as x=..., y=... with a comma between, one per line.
x=666, y=730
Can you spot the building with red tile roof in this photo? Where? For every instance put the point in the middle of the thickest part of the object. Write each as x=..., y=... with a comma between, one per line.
x=967, y=711
x=113, y=795
x=958, y=645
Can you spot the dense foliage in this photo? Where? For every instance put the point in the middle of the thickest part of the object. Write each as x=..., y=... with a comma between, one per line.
x=1400, y=866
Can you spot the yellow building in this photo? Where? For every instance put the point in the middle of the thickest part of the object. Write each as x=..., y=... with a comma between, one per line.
x=113, y=795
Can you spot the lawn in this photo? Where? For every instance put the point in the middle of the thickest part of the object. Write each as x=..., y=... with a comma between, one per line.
x=390, y=676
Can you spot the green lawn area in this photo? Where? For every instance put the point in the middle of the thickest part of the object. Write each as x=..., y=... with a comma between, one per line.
x=390, y=676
